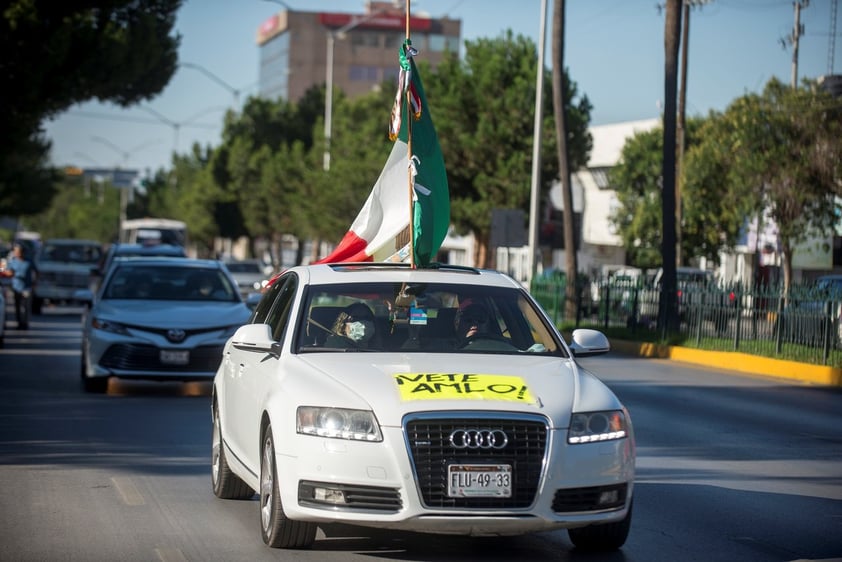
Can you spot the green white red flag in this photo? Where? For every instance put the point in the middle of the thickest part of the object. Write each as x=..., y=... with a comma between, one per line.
x=376, y=232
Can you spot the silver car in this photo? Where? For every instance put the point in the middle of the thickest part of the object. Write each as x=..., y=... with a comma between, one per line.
x=160, y=319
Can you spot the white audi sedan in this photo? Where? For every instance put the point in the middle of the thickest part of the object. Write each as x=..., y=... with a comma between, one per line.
x=160, y=318
x=438, y=400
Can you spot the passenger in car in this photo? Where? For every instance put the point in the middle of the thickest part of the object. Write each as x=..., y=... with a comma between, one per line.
x=353, y=327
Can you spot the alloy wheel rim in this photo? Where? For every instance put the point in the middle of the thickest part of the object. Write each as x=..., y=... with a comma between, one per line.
x=266, y=485
x=215, y=451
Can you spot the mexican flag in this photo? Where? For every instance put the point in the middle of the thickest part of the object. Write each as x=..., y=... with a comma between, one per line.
x=381, y=230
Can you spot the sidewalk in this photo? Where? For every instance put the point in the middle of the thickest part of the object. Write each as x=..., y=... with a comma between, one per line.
x=732, y=361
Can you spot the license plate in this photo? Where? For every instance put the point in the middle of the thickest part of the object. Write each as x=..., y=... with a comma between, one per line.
x=479, y=481
x=175, y=357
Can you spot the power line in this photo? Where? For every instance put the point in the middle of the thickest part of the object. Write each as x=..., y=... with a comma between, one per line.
x=133, y=119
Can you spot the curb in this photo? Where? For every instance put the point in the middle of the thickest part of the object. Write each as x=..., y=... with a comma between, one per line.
x=735, y=361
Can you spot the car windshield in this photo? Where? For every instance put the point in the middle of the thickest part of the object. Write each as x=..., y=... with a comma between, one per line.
x=244, y=267
x=429, y=318
x=146, y=282
x=70, y=253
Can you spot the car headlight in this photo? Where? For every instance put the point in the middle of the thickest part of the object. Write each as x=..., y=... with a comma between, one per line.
x=590, y=427
x=338, y=423
x=109, y=326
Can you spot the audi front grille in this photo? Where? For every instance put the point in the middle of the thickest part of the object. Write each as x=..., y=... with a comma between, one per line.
x=431, y=451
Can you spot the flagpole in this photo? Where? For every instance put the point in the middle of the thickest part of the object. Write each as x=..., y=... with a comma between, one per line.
x=409, y=155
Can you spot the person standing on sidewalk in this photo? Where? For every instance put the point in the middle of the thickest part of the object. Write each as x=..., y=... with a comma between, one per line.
x=23, y=273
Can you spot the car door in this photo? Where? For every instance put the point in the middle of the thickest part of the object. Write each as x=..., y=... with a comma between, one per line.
x=235, y=394
x=259, y=371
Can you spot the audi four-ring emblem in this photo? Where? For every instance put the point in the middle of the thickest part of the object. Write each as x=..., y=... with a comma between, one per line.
x=478, y=438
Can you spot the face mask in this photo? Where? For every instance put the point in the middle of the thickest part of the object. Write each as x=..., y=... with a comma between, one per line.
x=360, y=331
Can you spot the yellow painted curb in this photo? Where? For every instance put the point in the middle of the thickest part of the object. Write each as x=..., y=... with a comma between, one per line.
x=734, y=361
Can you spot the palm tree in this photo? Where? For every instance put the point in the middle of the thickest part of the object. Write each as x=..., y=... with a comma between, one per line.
x=668, y=313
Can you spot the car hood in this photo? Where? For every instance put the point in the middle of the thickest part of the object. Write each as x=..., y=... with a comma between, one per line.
x=173, y=314
x=394, y=385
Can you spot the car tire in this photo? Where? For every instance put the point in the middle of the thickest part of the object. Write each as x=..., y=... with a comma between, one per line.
x=97, y=385
x=609, y=536
x=277, y=530
x=226, y=484
x=37, y=305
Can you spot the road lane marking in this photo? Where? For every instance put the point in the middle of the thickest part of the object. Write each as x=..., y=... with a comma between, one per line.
x=128, y=491
x=170, y=555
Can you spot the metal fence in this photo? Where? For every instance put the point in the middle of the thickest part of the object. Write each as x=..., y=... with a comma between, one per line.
x=802, y=326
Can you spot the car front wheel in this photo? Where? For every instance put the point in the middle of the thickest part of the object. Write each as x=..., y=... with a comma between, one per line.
x=277, y=530
x=609, y=536
x=226, y=484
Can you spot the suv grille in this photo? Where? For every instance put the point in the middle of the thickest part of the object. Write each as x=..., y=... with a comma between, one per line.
x=136, y=357
x=428, y=439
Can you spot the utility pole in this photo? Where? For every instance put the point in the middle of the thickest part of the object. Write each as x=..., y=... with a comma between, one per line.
x=831, y=48
x=797, y=31
x=679, y=127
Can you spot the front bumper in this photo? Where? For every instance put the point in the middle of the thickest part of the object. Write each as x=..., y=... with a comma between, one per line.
x=383, y=485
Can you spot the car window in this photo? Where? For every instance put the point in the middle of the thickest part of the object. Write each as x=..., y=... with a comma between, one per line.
x=279, y=314
x=261, y=311
x=85, y=254
x=424, y=318
x=153, y=282
x=244, y=267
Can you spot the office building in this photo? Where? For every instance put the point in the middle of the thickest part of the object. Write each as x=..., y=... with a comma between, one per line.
x=295, y=48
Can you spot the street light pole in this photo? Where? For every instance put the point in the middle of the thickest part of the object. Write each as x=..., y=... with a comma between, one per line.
x=328, y=99
x=331, y=43
x=215, y=78
x=126, y=154
x=535, y=189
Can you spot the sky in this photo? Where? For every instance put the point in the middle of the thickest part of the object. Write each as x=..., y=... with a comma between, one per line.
x=614, y=51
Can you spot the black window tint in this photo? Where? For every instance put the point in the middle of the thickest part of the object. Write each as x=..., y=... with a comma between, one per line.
x=279, y=315
x=262, y=309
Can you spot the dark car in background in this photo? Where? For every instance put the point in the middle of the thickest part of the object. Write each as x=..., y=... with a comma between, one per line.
x=812, y=314
x=64, y=267
x=251, y=275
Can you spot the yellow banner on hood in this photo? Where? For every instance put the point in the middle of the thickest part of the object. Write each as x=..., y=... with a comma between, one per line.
x=462, y=386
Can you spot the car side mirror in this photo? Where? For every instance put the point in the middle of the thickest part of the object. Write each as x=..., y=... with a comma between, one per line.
x=587, y=342
x=255, y=337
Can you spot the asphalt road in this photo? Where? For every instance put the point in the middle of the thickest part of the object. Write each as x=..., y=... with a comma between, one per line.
x=730, y=468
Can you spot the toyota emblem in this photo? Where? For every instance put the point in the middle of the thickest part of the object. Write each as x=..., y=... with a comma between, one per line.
x=176, y=336
x=478, y=439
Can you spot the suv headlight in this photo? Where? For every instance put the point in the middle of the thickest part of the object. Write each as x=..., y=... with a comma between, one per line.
x=590, y=427
x=338, y=423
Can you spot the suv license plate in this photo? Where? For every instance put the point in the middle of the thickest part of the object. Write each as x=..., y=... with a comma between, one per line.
x=175, y=357
x=479, y=481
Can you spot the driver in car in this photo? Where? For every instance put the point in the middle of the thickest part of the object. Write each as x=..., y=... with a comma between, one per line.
x=471, y=321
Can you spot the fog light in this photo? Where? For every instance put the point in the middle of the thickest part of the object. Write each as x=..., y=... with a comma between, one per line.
x=328, y=495
x=609, y=497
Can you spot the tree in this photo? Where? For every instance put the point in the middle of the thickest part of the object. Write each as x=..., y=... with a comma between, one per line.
x=711, y=219
x=563, y=164
x=781, y=155
x=81, y=208
x=56, y=54
x=668, y=313
x=483, y=111
x=637, y=180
